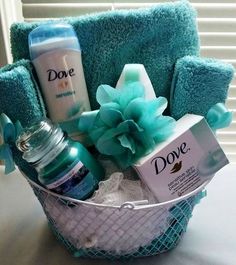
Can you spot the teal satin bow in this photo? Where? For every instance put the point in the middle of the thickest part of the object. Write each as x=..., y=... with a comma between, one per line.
x=219, y=117
x=9, y=133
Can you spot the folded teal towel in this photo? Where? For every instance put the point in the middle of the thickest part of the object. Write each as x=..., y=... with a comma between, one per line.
x=155, y=37
x=20, y=98
x=198, y=84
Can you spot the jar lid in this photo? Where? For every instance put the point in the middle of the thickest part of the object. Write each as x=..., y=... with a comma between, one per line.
x=39, y=140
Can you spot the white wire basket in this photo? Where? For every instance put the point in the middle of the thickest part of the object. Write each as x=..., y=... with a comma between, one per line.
x=130, y=230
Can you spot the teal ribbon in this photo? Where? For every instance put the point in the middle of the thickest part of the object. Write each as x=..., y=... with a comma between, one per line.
x=9, y=133
x=219, y=117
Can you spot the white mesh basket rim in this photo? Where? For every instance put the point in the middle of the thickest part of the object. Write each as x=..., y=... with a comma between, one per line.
x=131, y=205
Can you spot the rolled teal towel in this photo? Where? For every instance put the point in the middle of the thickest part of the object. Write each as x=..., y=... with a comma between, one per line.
x=20, y=98
x=155, y=37
x=198, y=84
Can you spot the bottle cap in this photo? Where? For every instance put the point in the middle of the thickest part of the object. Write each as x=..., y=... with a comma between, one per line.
x=49, y=37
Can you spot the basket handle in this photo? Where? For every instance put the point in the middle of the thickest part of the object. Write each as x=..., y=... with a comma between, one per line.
x=131, y=205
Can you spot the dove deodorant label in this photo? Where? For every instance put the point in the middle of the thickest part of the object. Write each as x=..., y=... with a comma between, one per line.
x=56, y=56
x=184, y=162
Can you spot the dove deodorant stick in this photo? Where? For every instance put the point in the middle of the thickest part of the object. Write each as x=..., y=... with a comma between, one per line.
x=56, y=55
x=185, y=161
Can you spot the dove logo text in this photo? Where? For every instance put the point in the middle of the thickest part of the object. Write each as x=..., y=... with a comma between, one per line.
x=161, y=162
x=53, y=74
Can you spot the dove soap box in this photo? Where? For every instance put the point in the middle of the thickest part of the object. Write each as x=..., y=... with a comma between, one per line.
x=185, y=161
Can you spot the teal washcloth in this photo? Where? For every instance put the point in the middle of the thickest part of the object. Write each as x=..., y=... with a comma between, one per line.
x=155, y=37
x=198, y=84
x=20, y=98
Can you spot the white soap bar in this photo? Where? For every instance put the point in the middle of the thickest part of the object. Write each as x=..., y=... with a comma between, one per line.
x=137, y=72
x=188, y=158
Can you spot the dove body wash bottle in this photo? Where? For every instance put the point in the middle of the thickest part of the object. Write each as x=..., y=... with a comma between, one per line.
x=56, y=55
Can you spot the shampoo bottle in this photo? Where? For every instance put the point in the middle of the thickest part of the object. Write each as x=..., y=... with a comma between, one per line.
x=56, y=55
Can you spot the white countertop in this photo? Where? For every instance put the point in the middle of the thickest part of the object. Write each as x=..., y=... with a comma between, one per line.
x=25, y=238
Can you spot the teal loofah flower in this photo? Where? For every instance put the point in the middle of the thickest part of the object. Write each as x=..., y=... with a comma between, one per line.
x=127, y=126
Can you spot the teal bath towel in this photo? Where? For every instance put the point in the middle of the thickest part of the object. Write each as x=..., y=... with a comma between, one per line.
x=20, y=98
x=155, y=37
x=198, y=84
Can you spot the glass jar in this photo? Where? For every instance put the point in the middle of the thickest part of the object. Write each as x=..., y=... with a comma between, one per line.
x=63, y=165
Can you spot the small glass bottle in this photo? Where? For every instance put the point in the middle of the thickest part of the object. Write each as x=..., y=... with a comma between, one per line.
x=63, y=165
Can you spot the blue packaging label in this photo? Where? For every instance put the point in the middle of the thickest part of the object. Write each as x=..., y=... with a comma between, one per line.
x=76, y=181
